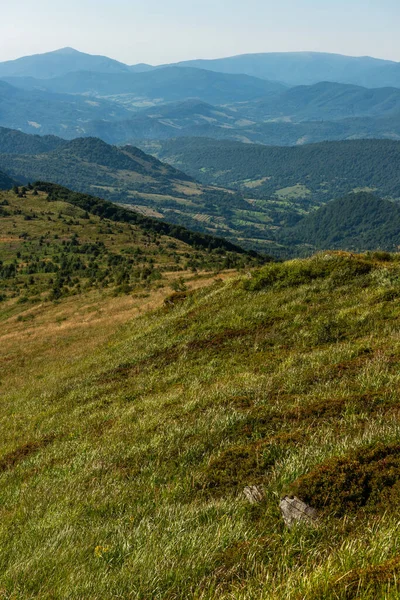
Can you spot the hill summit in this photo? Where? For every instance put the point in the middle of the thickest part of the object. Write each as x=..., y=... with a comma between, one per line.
x=59, y=62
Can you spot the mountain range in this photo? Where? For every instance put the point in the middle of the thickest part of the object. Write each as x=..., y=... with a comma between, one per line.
x=307, y=68
x=184, y=412
x=69, y=94
x=289, y=68
x=220, y=134
x=159, y=85
x=298, y=115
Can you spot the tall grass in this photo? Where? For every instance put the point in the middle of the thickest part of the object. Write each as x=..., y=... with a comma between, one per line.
x=122, y=472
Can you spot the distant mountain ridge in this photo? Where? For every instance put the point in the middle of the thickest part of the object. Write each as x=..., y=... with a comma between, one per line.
x=327, y=101
x=59, y=62
x=307, y=68
x=290, y=68
x=327, y=111
x=167, y=84
x=68, y=93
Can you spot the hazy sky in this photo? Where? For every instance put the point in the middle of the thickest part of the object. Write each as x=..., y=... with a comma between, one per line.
x=158, y=31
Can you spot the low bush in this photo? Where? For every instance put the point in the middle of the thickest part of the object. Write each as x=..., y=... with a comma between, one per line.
x=367, y=479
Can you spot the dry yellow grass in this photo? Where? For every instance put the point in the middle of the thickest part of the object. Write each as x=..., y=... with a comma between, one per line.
x=75, y=326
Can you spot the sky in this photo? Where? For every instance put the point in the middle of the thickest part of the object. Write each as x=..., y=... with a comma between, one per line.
x=163, y=31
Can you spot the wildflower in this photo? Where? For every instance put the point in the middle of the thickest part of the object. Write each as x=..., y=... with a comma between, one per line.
x=99, y=551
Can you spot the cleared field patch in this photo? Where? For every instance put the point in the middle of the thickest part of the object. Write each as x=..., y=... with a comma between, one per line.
x=296, y=191
x=256, y=182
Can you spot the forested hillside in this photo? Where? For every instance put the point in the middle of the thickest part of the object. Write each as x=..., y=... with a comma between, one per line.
x=267, y=188
x=13, y=141
x=90, y=165
x=130, y=177
x=316, y=171
x=6, y=182
x=356, y=222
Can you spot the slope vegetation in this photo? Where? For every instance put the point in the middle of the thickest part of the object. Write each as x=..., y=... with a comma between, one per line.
x=123, y=470
x=6, y=182
x=13, y=141
x=269, y=188
x=356, y=222
x=320, y=171
x=129, y=176
x=55, y=243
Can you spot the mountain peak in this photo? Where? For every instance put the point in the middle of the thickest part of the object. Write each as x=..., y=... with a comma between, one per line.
x=59, y=62
x=67, y=50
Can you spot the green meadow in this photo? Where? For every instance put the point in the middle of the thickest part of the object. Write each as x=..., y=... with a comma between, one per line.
x=125, y=444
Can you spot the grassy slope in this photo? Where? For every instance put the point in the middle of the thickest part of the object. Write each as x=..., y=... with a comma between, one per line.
x=51, y=248
x=122, y=468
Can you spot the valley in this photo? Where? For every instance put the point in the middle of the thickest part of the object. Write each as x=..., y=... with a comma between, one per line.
x=248, y=194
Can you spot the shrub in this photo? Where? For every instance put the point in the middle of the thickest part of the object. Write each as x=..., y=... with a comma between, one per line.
x=366, y=479
x=373, y=580
x=242, y=465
